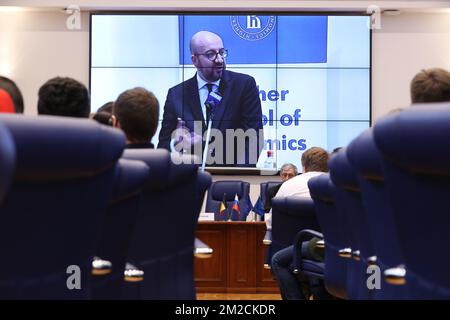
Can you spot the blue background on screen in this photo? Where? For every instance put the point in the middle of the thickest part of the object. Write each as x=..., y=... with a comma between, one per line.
x=289, y=39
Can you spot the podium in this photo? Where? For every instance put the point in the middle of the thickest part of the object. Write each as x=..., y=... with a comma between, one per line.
x=237, y=262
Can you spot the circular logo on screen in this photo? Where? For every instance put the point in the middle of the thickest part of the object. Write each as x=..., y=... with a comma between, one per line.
x=252, y=28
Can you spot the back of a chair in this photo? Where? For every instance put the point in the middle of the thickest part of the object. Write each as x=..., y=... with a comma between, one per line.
x=163, y=241
x=289, y=216
x=118, y=226
x=264, y=187
x=51, y=216
x=323, y=193
x=416, y=162
x=365, y=158
x=7, y=160
x=229, y=189
x=348, y=198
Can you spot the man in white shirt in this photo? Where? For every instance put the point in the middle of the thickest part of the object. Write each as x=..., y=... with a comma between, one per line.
x=314, y=162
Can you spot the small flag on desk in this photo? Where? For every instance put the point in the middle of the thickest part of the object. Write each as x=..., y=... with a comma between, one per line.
x=223, y=207
x=258, y=208
x=236, y=208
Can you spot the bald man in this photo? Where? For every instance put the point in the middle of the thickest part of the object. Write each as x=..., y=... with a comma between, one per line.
x=229, y=99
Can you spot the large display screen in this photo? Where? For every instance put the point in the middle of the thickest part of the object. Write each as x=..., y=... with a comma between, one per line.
x=312, y=76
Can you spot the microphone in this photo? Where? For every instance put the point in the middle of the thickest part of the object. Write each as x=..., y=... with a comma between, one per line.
x=211, y=103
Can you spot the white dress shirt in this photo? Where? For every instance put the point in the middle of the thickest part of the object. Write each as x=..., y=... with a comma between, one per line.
x=297, y=186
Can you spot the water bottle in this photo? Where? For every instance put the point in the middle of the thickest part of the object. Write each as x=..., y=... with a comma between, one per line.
x=270, y=160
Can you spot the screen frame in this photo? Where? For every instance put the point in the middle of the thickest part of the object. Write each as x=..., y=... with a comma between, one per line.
x=215, y=12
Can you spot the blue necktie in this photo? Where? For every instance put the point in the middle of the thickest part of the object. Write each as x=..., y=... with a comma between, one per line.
x=208, y=110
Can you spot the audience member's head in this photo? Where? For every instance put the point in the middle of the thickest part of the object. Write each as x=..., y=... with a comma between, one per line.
x=315, y=159
x=11, y=99
x=288, y=171
x=104, y=114
x=107, y=107
x=431, y=85
x=64, y=97
x=136, y=112
x=103, y=118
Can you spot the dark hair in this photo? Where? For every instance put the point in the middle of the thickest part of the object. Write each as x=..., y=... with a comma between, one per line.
x=103, y=118
x=11, y=88
x=431, y=85
x=137, y=111
x=107, y=107
x=64, y=97
x=315, y=159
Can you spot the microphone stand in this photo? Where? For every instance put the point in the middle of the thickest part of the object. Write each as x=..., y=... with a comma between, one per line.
x=208, y=136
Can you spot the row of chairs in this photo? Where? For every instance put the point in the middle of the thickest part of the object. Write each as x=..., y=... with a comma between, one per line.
x=383, y=210
x=384, y=207
x=69, y=192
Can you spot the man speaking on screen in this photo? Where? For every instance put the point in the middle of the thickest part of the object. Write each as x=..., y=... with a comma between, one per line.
x=226, y=102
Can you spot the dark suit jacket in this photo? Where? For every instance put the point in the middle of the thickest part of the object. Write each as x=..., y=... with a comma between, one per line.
x=270, y=194
x=240, y=108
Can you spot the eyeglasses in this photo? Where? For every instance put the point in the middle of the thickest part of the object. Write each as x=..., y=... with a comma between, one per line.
x=211, y=55
x=287, y=175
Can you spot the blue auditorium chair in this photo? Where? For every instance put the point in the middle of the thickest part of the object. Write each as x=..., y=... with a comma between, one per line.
x=348, y=199
x=264, y=187
x=414, y=145
x=364, y=155
x=52, y=215
x=109, y=264
x=162, y=245
x=7, y=160
x=229, y=188
x=289, y=216
x=337, y=243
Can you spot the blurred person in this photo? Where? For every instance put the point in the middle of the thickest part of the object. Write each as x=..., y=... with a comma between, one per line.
x=136, y=112
x=11, y=100
x=430, y=85
x=64, y=97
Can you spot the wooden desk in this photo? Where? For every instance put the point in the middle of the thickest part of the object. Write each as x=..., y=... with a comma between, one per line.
x=237, y=263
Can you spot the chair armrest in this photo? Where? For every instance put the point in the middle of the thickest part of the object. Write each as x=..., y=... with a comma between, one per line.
x=302, y=236
x=202, y=250
x=395, y=276
x=268, y=237
x=101, y=267
x=132, y=273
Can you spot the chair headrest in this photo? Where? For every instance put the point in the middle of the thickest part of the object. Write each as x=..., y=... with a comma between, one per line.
x=57, y=148
x=417, y=138
x=341, y=172
x=131, y=176
x=165, y=168
x=269, y=184
x=364, y=156
x=230, y=188
x=294, y=205
x=322, y=188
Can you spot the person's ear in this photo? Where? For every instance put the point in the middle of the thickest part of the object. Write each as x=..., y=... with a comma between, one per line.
x=115, y=122
x=194, y=60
